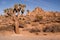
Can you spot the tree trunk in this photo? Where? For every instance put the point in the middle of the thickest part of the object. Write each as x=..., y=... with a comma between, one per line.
x=16, y=24
x=16, y=27
x=18, y=15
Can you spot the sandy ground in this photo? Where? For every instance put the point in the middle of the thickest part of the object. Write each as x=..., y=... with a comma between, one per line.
x=25, y=35
x=21, y=37
x=29, y=36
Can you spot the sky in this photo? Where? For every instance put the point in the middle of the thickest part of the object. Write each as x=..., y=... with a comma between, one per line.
x=48, y=5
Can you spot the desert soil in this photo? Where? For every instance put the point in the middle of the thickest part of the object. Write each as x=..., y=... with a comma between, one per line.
x=29, y=36
x=21, y=37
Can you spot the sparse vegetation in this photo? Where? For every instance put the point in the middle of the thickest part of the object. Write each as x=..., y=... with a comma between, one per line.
x=38, y=18
x=7, y=28
x=34, y=30
x=52, y=28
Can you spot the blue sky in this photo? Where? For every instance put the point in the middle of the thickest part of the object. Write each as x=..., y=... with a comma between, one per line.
x=50, y=5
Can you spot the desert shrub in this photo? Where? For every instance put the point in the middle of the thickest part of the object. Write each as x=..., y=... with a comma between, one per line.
x=35, y=24
x=34, y=30
x=37, y=33
x=38, y=18
x=21, y=26
x=7, y=28
x=27, y=22
x=53, y=28
x=57, y=19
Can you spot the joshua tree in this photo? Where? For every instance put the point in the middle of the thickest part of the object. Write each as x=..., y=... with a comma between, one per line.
x=22, y=8
x=6, y=12
x=11, y=11
x=19, y=8
x=16, y=10
x=28, y=11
